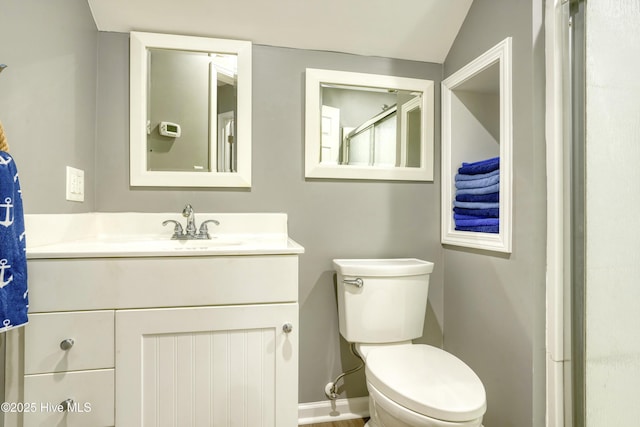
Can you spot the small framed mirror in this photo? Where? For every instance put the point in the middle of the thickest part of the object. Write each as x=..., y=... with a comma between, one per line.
x=368, y=126
x=190, y=111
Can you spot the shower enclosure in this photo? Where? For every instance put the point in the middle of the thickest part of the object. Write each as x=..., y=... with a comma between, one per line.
x=601, y=178
x=373, y=142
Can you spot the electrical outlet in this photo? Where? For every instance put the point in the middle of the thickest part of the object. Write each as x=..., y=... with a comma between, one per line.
x=75, y=184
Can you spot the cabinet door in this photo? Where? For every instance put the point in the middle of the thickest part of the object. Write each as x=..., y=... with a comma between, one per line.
x=207, y=366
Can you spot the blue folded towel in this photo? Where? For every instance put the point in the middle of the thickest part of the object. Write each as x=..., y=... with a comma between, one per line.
x=14, y=302
x=482, y=190
x=482, y=166
x=484, y=213
x=476, y=205
x=465, y=177
x=477, y=221
x=461, y=216
x=478, y=183
x=481, y=228
x=491, y=197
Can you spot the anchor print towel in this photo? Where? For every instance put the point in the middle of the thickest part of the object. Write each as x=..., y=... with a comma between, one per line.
x=14, y=302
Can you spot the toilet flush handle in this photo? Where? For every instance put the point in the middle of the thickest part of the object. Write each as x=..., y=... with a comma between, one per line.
x=357, y=282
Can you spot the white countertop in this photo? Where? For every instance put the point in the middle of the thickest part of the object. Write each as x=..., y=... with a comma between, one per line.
x=98, y=235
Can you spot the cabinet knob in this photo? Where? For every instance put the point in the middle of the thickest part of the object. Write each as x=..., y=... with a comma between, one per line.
x=287, y=327
x=67, y=344
x=67, y=404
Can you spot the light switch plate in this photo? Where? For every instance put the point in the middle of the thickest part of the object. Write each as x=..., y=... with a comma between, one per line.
x=75, y=184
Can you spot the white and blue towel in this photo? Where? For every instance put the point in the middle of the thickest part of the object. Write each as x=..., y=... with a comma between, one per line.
x=14, y=300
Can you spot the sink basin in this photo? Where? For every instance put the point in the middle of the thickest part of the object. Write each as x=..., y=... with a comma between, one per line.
x=165, y=242
x=158, y=244
x=142, y=234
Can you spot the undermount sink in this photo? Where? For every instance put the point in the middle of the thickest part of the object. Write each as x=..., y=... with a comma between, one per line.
x=142, y=234
x=141, y=244
x=169, y=244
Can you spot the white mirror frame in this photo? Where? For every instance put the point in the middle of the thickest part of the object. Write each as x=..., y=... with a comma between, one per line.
x=499, y=242
x=139, y=175
x=314, y=169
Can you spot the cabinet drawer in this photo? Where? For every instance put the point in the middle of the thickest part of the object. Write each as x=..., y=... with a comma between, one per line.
x=92, y=335
x=74, y=284
x=91, y=392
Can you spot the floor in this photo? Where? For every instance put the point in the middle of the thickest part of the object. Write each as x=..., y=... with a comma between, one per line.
x=347, y=423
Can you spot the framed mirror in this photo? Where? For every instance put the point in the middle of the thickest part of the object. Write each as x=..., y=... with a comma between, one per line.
x=190, y=111
x=368, y=126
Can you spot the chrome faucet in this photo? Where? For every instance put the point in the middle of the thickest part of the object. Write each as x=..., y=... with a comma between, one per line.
x=190, y=232
x=188, y=213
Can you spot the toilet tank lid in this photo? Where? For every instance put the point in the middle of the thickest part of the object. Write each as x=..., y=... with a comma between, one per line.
x=382, y=267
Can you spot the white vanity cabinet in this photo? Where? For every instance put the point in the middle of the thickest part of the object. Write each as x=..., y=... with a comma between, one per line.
x=205, y=340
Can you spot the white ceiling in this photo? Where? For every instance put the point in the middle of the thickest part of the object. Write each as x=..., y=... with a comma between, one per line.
x=421, y=30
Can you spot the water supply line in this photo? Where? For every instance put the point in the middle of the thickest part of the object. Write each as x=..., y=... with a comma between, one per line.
x=331, y=389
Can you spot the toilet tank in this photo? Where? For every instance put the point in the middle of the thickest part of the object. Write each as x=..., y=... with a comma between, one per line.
x=391, y=302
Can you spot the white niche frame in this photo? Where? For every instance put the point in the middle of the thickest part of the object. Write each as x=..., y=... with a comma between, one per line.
x=465, y=138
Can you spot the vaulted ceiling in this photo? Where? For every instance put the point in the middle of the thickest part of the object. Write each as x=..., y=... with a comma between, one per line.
x=421, y=30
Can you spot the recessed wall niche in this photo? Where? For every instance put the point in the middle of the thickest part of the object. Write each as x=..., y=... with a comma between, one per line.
x=477, y=125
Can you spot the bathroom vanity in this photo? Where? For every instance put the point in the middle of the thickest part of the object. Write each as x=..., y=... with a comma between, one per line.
x=130, y=328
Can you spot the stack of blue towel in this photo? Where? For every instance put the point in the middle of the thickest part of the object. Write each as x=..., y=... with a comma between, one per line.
x=476, y=207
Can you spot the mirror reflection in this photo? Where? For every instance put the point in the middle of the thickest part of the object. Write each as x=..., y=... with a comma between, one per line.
x=368, y=126
x=191, y=111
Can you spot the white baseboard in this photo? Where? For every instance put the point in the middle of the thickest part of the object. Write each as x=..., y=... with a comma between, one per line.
x=333, y=410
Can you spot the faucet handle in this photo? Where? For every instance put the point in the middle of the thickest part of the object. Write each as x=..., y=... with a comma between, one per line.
x=203, y=233
x=177, y=229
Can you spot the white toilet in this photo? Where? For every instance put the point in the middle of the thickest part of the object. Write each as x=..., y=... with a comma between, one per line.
x=381, y=308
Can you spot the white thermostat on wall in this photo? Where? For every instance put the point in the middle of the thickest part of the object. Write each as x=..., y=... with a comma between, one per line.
x=169, y=129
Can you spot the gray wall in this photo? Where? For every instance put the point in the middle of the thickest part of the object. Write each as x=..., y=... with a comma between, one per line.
x=329, y=218
x=494, y=305
x=48, y=97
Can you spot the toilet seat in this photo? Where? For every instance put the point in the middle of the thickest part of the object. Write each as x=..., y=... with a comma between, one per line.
x=427, y=380
x=389, y=413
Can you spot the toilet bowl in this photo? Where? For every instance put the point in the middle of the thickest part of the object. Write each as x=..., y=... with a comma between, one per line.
x=381, y=305
x=416, y=385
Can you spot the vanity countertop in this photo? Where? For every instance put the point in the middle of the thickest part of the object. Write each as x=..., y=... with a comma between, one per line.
x=99, y=235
